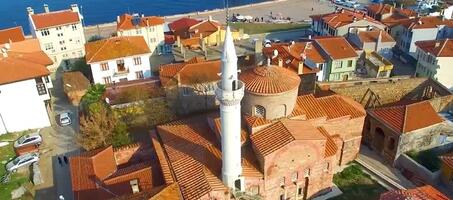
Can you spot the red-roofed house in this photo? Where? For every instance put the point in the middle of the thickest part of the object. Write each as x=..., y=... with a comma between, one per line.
x=389, y=15
x=14, y=34
x=151, y=28
x=24, y=86
x=373, y=40
x=392, y=131
x=341, y=21
x=108, y=173
x=434, y=60
x=60, y=34
x=426, y=192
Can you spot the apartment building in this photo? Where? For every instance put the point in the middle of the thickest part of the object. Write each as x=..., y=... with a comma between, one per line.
x=60, y=34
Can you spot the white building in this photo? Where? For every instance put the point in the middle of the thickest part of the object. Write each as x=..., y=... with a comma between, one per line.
x=151, y=28
x=435, y=58
x=24, y=86
x=118, y=59
x=60, y=34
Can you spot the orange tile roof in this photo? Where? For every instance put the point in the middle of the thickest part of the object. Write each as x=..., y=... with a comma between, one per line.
x=14, y=34
x=331, y=147
x=182, y=24
x=386, y=9
x=406, y=118
x=336, y=47
x=191, y=42
x=372, y=36
x=56, y=18
x=25, y=61
x=426, y=192
x=215, y=120
x=343, y=17
x=115, y=47
x=426, y=22
x=125, y=22
x=394, y=20
x=194, y=156
x=269, y=80
x=438, y=48
x=196, y=70
x=447, y=159
x=204, y=28
x=253, y=121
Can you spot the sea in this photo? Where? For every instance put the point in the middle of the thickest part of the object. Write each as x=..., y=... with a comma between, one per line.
x=13, y=12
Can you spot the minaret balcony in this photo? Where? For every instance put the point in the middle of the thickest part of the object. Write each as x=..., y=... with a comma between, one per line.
x=230, y=97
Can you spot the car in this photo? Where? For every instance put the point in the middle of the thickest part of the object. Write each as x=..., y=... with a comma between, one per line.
x=339, y=2
x=22, y=161
x=29, y=139
x=65, y=119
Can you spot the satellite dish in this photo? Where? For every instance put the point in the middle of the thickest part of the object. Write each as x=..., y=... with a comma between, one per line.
x=275, y=53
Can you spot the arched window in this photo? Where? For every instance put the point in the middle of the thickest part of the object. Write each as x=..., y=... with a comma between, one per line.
x=391, y=144
x=260, y=111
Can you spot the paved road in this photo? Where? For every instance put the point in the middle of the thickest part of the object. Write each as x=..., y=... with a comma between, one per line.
x=57, y=142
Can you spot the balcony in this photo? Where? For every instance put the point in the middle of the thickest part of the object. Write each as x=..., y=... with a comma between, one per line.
x=123, y=72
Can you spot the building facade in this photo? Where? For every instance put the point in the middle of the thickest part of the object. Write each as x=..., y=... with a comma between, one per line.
x=60, y=34
x=151, y=28
x=118, y=59
x=434, y=60
x=373, y=40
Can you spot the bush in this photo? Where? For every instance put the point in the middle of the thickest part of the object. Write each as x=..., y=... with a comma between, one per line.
x=121, y=135
x=427, y=158
x=81, y=66
x=95, y=38
x=93, y=95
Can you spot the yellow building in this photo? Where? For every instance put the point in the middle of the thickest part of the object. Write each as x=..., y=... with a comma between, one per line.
x=212, y=32
x=447, y=169
x=377, y=66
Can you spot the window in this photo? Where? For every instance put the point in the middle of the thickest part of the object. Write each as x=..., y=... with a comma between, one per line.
x=151, y=28
x=307, y=172
x=137, y=61
x=294, y=177
x=282, y=181
x=139, y=31
x=185, y=91
x=320, y=66
x=45, y=32
x=120, y=65
x=104, y=66
x=46, y=78
x=282, y=197
x=58, y=28
x=62, y=42
x=48, y=46
x=391, y=145
x=107, y=80
x=327, y=166
x=139, y=75
x=299, y=191
x=63, y=48
x=59, y=34
x=74, y=27
x=152, y=40
x=260, y=111
x=349, y=63
x=40, y=86
x=337, y=64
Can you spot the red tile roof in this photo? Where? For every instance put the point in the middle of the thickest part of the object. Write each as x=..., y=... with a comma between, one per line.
x=115, y=47
x=269, y=80
x=336, y=47
x=204, y=28
x=56, y=18
x=14, y=34
x=331, y=147
x=25, y=61
x=182, y=24
x=426, y=192
x=426, y=22
x=372, y=36
x=386, y=9
x=406, y=118
x=447, y=159
x=196, y=70
x=438, y=48
x=343, y=17
x=125, y=22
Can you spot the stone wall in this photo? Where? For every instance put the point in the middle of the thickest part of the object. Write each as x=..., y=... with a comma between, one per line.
x=276, y=106
x=404, y=162
x=421, y=139
x=442, y=104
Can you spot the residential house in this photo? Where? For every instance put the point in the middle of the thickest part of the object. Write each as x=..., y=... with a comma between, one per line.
x=373, y=40
x=303, y=58
x=116, y=173
x=341, y=58
x=60, y=34
x=376, y=66
x=389, y=15
x=24, y=86
x=419, y=29
x=190, y=86
x=151, y=28
x=9, y=35
x=394, y=130
x=426, y=192
x=434, y=60
x=118, y=59
x=291, y=145
x=340, y=22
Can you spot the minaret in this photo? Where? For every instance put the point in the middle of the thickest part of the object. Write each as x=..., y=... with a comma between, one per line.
x=229, y=92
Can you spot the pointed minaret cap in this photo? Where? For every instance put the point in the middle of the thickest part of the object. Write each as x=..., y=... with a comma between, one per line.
x=229, y=51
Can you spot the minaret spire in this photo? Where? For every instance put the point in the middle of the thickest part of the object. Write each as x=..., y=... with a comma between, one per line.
x=229, y=92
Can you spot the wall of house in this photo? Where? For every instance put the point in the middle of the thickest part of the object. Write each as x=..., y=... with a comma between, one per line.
x=195, y=98
x=112, y=72
x=21, y=107
x=153, y=35
x=417, y=35
x=339, y=69
x=344, y=30
x=438, y=69
x=275, y=105
x=379, y=144
x=294, y=163
x=420, y=139
x=73, y=39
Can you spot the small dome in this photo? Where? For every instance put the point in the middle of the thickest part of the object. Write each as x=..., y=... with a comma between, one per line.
x=269, y=80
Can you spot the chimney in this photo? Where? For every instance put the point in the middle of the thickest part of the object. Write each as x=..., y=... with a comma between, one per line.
x=379, y=41
x=143, y=15
x=178, y=41
x=300, y=67
x=354, y=19
x=118, y=19
x=280, y=62
x=46, y=8
x=4, y=52
x=30, y=11
x=209, y=18
x=74, y=8
x=437, y=44
x=274, y=54
x=134, y=186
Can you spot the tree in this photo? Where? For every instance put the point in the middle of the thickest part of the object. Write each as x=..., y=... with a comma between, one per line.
x=157, y=112
x=81, y=66
x=121, y=135
x=93, y=95
x=95, y=38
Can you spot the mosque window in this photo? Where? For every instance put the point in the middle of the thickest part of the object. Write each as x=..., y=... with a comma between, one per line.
x=260, y=111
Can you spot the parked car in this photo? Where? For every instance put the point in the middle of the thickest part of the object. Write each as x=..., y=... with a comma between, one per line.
x=340, y=2
x=22, y=161
x=29, y=139
x=65, y=119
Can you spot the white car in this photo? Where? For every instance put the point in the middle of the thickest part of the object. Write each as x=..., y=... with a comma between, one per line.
x=29, y=139
x=22, y=161
x=65, y=119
